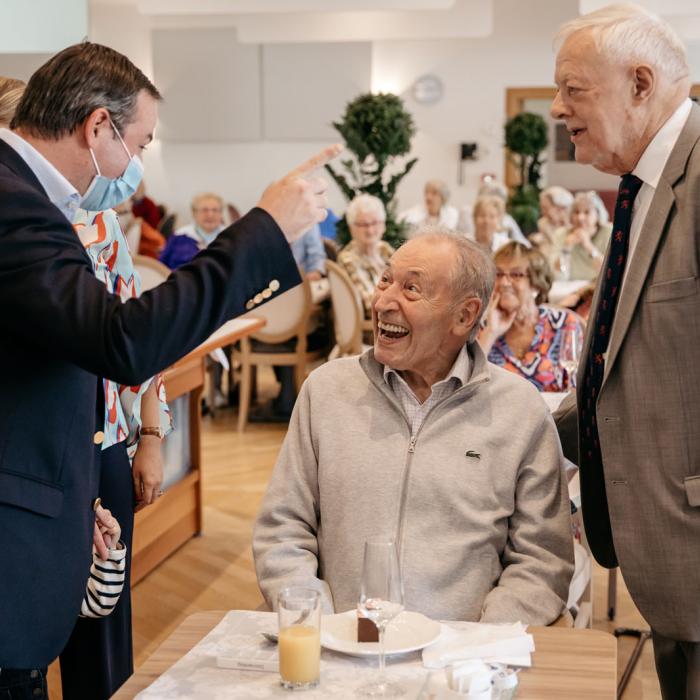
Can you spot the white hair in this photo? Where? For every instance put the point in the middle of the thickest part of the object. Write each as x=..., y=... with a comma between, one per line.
x=559, y=196
x=592, y=200
x=365, y=203
x=440, y=186
x=627, y=33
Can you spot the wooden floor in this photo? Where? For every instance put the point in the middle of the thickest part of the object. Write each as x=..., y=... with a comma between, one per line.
x=215, y=571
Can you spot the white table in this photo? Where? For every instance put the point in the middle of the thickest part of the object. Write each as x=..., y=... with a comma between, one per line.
x=567, y=663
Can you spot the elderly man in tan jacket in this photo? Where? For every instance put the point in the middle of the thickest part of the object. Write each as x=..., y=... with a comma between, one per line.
x=423, y=440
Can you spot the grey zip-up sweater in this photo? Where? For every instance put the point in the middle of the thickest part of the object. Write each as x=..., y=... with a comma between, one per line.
x=476, y=499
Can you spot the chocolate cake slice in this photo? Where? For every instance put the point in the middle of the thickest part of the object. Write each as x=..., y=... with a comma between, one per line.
x=366, y=629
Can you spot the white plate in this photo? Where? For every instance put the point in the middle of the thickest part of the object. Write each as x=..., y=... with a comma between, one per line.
x=408, y=631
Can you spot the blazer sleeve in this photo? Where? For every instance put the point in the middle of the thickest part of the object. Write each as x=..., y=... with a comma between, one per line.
x=566, y=419
x=50, y=300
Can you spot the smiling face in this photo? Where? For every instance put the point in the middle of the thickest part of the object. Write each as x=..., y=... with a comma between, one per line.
x=487, y=220
x=208, y=214
x=433, y=200
x=597, y=101
x=584, y=215
x=367, y=229
x=513, y=283
x=418, y=329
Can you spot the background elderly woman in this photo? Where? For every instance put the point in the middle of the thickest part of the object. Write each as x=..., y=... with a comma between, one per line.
x=434, y=209
x=521, y=333
x=555, y=207
x=582, y=244
x=366, y=256
x=207, y=224
x=488, y=213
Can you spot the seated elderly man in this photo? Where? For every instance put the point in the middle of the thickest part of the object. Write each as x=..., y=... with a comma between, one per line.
x=423, y=440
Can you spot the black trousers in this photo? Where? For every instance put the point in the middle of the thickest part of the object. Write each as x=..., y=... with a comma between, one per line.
x=98, y=658
x=23, y=685
x=678, y=667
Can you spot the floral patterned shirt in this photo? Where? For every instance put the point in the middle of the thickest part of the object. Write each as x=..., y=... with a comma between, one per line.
x=107, y=248
x=540, y=363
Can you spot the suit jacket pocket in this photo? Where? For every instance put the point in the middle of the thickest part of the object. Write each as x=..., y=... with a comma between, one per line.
x=692, y=489
x=38, y=496
x=674, y=289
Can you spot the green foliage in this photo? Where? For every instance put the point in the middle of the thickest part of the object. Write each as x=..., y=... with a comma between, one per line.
x=526, y=138
x=377, y=129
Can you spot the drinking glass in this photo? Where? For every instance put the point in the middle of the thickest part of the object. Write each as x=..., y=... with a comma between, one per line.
x=381, y=600
x=570, y=353
x=299, y=613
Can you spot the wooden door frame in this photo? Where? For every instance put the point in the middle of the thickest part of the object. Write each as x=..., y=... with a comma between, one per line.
x=515, y=102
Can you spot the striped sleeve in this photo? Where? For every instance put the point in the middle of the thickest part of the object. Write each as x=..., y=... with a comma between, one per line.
x=105, y=583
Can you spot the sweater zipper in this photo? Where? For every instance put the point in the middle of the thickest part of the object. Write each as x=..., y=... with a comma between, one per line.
x=407, y=471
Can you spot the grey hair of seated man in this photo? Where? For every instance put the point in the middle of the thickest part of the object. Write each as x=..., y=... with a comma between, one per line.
x=558, y=196
x=365, y=203
x=473, y=273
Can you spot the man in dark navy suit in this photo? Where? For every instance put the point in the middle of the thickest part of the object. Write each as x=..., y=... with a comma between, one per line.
x=77, y=137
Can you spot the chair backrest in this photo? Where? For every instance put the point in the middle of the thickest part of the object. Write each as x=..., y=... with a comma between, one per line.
x=348, y=311
x=286, y=316
x=151, y=271
x=167, y=225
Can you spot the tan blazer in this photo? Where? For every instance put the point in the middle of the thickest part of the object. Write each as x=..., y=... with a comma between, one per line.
x=644, y=511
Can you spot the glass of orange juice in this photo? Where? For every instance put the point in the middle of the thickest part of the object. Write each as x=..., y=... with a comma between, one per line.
x=299, y=611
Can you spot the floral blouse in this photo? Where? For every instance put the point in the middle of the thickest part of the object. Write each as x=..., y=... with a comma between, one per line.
x=540, y=364
x=106, y=246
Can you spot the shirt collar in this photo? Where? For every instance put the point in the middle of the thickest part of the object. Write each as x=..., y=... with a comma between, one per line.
x=653, y=160
x=59, y=191
x=459, y=372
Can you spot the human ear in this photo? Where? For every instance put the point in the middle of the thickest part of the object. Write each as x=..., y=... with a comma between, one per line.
x=96, y=124
x=644, y=82
x=467, y=313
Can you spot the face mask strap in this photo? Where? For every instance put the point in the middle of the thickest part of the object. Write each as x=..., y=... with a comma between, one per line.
x=119, y=136
x=94, y=162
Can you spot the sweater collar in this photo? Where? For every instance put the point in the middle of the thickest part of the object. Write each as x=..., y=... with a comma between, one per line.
x=478, y=368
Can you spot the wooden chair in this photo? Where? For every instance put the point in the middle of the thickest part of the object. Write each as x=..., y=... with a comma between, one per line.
x=151, y=271
x=348, y=313
x=282, y=342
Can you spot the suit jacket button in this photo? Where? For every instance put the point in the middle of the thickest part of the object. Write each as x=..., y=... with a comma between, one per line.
x=258, y=298
x=274, y=285
x=266, y=293
x=99, y=437
x=249, y=304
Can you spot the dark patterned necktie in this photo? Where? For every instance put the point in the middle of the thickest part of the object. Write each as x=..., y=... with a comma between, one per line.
x=590, y=454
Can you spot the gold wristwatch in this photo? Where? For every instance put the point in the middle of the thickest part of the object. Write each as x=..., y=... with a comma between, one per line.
x=156, y=432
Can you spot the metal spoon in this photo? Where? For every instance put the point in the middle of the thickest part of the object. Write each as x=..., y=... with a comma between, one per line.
x=274, y=638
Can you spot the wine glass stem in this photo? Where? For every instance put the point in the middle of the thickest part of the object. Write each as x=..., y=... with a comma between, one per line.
x=382, y=664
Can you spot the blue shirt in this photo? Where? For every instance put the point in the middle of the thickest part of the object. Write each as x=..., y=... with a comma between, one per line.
x=309, y=252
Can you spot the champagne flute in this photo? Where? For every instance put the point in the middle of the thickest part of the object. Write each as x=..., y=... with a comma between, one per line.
x=570, y=353
x=381, y=600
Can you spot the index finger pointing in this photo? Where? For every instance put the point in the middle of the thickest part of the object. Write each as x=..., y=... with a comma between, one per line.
x=318, y=160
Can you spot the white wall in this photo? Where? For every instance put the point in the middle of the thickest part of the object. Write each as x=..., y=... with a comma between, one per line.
x=474, y=72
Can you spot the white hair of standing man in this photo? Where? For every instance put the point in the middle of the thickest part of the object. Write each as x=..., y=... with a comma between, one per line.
x=627, y=33
x=366, y=203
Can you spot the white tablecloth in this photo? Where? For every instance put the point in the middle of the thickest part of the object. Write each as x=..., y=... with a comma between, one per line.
x=196, y=675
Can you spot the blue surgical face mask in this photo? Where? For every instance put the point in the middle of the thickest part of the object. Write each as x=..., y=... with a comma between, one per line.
x=105, y=193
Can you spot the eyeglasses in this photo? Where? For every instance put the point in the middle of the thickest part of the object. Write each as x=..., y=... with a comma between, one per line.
x=514, y=275
x=368, y=224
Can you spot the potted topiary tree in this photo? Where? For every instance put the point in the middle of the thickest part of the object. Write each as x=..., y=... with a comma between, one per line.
x=526, y=138
x=376, y=129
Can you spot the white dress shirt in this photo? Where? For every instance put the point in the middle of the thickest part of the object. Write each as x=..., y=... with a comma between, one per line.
x=59, y=191
x=649, y=169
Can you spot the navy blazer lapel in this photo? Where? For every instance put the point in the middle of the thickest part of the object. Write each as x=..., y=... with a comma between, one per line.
x=14, y=162
x=650, y=235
